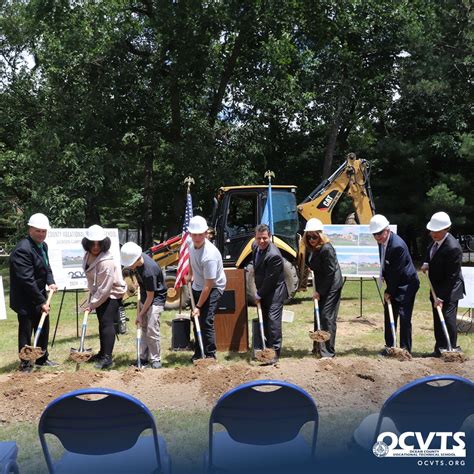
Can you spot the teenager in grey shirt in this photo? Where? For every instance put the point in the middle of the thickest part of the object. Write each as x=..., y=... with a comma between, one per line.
x=208, y=283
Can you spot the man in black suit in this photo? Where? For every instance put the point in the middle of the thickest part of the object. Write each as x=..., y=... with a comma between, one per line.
x=443, y=263
x=402, y=282
x=271, y=287
x=30, y=274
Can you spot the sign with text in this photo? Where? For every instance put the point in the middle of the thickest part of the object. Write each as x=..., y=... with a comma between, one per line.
x=468, y=300
x=3, y=309
x=66, y=254
x=356, y=249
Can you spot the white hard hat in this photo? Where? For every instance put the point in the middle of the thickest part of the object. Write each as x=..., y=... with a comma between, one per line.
x=197, y=225
x=439, y=221
x=40, y=221
x=130, y=253
x=378, y=223
x=314, y=225
x=95, y=233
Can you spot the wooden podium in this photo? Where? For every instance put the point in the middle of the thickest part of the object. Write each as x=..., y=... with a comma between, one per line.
x=231, y=320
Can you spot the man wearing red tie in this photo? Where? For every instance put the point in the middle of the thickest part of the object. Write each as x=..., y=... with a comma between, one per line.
x=443, y=262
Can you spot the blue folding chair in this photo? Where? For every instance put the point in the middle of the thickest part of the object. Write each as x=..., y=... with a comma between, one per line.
x=263, y=420
x=434, y=403
x=102, y=434
x=8, y=455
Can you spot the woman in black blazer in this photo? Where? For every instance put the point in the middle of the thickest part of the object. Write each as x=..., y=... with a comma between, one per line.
x=321, y=259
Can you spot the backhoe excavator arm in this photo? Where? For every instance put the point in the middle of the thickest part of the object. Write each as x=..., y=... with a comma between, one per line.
x=352, y=178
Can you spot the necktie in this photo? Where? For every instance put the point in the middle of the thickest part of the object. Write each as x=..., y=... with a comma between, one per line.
x=43, y=254
x=382, y=264
x=433, y=250
x=258, y=256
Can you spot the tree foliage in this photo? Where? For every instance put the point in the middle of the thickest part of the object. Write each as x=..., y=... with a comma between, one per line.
x=108, y=105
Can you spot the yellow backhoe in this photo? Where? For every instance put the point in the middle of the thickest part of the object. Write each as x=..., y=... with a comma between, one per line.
x=238, y=209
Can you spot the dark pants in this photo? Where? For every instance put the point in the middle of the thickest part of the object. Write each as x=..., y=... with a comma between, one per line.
x=206, y=321
x=404, y=310
x=272, y=313
x=107, y=314
x=27, y=325
x=450, y=310
x=328, y=309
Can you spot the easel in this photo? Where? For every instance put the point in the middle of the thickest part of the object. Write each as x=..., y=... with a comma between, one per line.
x=59, y=314
x=375, y=280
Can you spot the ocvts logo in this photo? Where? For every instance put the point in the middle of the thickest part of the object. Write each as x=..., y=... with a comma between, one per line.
x=415, y=444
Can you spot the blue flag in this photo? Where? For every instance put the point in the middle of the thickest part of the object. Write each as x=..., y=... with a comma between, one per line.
x=267, y=217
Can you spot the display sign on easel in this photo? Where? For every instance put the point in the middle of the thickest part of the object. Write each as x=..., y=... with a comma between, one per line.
x=66, y=254
x=356, y=249
x=3, y=309
x=468, y=300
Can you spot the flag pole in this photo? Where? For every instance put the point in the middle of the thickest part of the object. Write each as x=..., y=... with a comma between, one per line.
x=270, y=174
x=188, y=181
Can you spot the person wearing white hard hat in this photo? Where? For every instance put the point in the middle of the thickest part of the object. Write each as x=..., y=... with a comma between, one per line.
x=152, y=301
x=443, y=263
x=322, y=260
x=30, y=275
x=401, y=279
x=206, y=271
x=106, y=289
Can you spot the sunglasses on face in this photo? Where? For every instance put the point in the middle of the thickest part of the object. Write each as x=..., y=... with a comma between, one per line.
x=313, y=237
x=378, y=234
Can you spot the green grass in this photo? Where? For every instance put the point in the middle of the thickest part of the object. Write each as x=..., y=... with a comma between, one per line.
x=186, y=430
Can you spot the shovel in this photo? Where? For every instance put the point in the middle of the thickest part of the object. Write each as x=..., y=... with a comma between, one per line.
x=394, y=351
x=198, y=327
x=449, y=355
x=266, y=354
x=318, y=335
x=34, y=352
x=81, y=355
x=139, y=335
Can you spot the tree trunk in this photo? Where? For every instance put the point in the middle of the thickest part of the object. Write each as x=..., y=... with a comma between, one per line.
x=147, y=237
x=92, y=215
x=332, y=140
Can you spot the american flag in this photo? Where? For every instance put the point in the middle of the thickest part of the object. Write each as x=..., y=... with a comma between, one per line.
x=183, y=264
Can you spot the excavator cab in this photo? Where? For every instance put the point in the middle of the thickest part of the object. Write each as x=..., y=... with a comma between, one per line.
x=239, y=209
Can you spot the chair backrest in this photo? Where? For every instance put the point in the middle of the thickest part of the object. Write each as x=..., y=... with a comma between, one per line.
x=259, y=417
x=106, y=425
x=434, y=403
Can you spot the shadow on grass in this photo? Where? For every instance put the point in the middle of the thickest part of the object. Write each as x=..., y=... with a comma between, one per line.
x=178, y=358
x=359, y=351
x=9, y=368
x=239, y=356
x=290, y=352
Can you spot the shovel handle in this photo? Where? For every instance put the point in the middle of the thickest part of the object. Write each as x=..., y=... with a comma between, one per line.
x=83, y=331
x=392, y=323
x=440, y=315
x=196, y=319
x=260, y=323
x=316, y=307
x=43, y=317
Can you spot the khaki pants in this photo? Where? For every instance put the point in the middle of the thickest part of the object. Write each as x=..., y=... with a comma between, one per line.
x=150, y=348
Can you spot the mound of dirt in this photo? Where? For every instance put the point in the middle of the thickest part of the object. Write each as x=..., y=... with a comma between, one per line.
x=359, y=384
x=23, y=396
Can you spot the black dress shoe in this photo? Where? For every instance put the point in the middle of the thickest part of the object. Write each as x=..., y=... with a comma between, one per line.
x=47, y=363
x=96, y=357
x=104, y=363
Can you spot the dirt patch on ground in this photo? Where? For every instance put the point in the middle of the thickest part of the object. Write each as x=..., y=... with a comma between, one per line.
x=23, y=396
x=355, y=383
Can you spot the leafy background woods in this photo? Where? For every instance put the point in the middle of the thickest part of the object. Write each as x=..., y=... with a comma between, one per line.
x=106, y=106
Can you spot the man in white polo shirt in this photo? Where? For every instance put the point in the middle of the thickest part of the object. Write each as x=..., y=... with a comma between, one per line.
x=208, y=283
